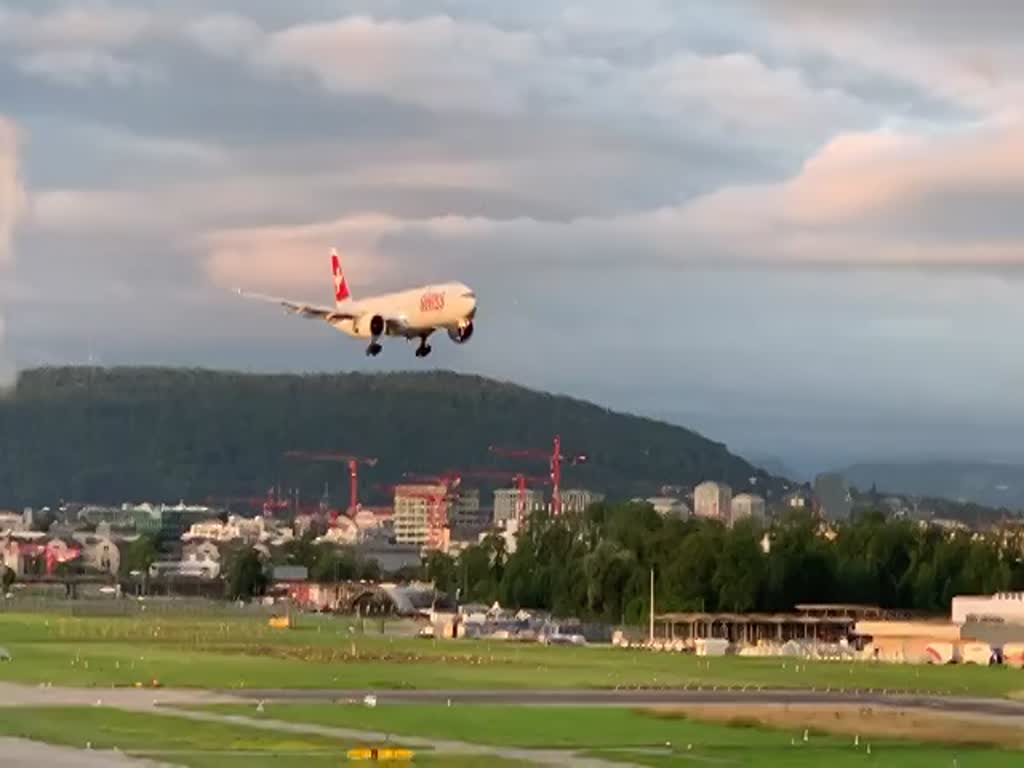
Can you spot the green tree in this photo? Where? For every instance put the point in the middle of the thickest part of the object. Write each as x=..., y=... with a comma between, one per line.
x=740, y=572
x=246, y=577
x=333, y=565
x=439, y=569
x=139, y=555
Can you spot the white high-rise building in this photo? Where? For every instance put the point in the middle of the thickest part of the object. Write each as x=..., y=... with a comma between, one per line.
x=713, y=501
x=748, y=505
x=421, y=514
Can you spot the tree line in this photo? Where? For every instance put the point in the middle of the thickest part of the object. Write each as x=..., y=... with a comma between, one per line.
x=597, y=565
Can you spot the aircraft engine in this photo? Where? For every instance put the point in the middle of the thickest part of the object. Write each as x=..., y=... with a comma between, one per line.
x=376, y=325
x=462, y=333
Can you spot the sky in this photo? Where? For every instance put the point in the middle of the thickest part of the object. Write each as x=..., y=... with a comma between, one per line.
x=797, y=232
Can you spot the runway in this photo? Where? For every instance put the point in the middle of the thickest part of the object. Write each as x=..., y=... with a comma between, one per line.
x=649, y=698
x=18, y=753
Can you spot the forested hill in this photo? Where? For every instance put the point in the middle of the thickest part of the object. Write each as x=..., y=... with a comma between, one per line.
x=114, y=434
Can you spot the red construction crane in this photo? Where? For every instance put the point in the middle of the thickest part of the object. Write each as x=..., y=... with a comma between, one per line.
x=555, y=460
x=518, y=478
x=353, y=469
x=450, y=480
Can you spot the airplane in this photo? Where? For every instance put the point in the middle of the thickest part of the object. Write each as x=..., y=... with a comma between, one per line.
x=413, y=314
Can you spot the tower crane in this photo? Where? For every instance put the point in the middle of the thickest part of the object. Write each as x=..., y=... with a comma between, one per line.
x=353, y=463
x=520, y=481
x=555, y=461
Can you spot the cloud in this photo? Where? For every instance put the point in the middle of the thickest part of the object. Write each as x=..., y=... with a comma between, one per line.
x=294, y=258
x=448, y=65
x=970, y=62
x=93, y=25
x=868, y=199
x=882, y=199
x=434, y=62
x=224, y=34
x=81, y=67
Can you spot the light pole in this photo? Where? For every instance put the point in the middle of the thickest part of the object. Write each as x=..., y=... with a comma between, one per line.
x=651, y=618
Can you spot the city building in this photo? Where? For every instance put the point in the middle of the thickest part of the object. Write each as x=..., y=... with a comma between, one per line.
x=832, y=496
x=99, y=553
x=343, y=532
x=115, y=517
x=421, y=515
x=669, y=506
x=747, y=505
x=713, y=501
x=12, y=522
x=798, y=499
x=166, y=521
x=465, y=511
x=506, y=503
x=246, y=529
x=578, y=499
x=201, y=552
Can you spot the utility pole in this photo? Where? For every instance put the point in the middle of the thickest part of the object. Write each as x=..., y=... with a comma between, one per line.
x=651, y=628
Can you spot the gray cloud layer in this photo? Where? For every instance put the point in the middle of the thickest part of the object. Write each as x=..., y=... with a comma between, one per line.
x=754, y=209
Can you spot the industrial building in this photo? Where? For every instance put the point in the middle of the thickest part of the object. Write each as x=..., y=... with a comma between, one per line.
x=713, y=501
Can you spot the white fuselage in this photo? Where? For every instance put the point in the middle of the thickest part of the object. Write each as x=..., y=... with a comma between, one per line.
x=420, y=310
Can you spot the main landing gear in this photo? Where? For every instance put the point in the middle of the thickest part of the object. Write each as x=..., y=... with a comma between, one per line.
x=374, y=349
x=424, y=349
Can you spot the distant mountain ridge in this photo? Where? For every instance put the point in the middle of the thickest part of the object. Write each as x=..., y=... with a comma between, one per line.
x=118, y=434
x=988, y=483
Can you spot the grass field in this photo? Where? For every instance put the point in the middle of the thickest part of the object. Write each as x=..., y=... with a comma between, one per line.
x=325, y=653
x=637, y=736
x=190, y=743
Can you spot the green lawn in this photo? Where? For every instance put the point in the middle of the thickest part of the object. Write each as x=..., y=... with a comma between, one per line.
x=190, y=743
x=634, y=735
x=328, y=653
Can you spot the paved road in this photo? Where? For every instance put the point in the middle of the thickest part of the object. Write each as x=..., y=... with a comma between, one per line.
x=633, y=698
x=16, y=753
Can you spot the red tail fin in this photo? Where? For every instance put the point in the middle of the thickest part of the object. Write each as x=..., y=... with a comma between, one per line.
x=341, y=292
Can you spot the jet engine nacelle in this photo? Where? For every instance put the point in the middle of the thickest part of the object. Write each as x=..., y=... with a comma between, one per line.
x=369, y=326
x=462, y=333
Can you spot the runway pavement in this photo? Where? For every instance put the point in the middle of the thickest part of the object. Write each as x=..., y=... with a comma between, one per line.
x=657, y=697
x=17, y=753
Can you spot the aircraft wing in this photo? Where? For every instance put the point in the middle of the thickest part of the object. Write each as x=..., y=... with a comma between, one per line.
x=303, y=310
x=395, y=325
